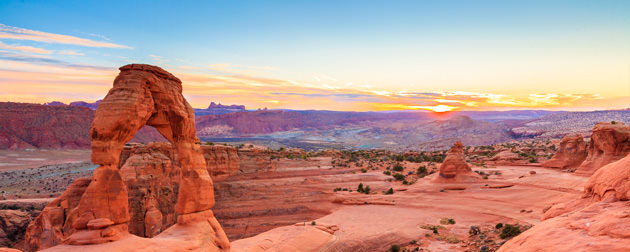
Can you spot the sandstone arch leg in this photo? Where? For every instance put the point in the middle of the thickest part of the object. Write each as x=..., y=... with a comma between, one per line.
x=142, y=95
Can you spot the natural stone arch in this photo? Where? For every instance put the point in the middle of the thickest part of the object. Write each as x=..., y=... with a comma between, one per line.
x=142, y=95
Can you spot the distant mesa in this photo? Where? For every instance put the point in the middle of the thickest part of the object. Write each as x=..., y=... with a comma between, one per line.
x=572, y=153
x=219, y=106
x=91, y=106
x=219, y=109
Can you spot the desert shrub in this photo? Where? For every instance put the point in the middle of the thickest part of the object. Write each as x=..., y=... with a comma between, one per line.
x=509, y=231
x=399, y=176
x=433, y=228
x=485, y=177
x=366, y=190
x=422, y=170
x=360, y=188
x=405, y=182
x=313, y=223
x=448, y=238
x=387, y=173
x=474, y=230
x=390, y=191
x=413, y=242
x=447, y=221
x=394, y=248
x=363, y=170
x=398, y=167
x=613, y=122
x=499, y=225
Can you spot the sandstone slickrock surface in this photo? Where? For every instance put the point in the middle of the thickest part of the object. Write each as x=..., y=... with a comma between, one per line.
x=143, y=95
x=454, y=168
x=571, y=153
x=598, y=221
x=609, y=143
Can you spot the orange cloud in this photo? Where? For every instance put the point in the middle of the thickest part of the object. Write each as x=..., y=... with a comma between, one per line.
x=27, y=49
x=10, y=32
x=46, y=82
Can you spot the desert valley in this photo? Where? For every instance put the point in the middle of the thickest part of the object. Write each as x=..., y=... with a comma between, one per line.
x=315, y=126
x=501, y=185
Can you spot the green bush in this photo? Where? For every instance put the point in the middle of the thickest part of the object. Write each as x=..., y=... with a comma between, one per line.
x=394, y=248
x=509, y=231
x=390, y=191
x=398, y=167
x=399, y=176
x=499, y=225
x=474, y=230
x=422, y=170
x=360, y=188
x=387, y=173
x=363, y=170
x=312, y=223
x=366, y=190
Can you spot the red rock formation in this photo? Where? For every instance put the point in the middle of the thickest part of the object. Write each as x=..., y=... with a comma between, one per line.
x=507, y=157
x=152, y=179
x=256, y=160
x=142, y=95
x=53, y=224
x=454, y=168
x=598, y=221
x=12, y=223
x=24, y=125
x=222, y=161
x=609, y=143
x=571, y=153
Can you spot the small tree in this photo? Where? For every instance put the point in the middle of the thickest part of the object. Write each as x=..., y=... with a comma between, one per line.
x=390, y=191
x=509, y=231
x=360, y=188
x=366, y=190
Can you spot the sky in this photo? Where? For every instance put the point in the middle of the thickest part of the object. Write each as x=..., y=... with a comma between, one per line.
x=328, y=55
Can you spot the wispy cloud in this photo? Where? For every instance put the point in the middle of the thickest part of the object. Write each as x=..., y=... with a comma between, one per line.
x=70, y=52
x=38, y=60
x=27, y=49
x=10, y=32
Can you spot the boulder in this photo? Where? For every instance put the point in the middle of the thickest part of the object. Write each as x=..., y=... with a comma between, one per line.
x=609, y=143
x=454, y=168
x=12, y=225
x=571, y=153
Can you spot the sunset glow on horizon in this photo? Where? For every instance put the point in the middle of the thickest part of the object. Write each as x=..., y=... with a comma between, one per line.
x=419, y=55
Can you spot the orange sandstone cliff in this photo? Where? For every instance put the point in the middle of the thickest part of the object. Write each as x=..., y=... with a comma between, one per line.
x=571, y=153
x=609, y=142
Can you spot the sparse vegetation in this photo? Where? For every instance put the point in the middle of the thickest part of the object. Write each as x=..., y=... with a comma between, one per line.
x=399, y=176
x=499, y=225
x=509, y=231
x=474, y=230
x=394, y=248
x=447, y=221
x=398, y=167
x=390, y=191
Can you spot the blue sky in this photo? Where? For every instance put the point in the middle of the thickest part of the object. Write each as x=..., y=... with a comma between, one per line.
x=509, y=52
